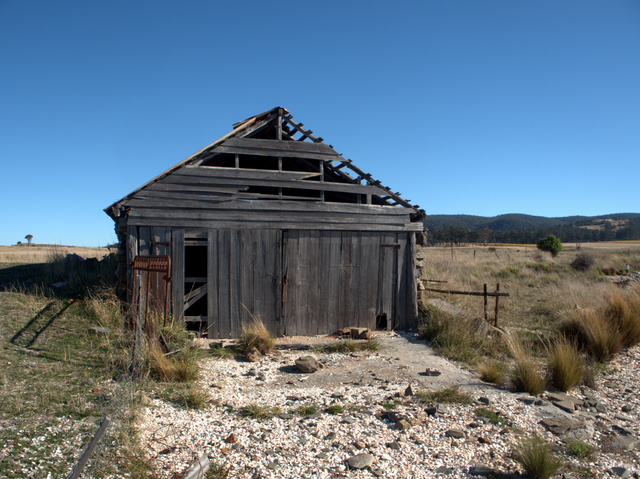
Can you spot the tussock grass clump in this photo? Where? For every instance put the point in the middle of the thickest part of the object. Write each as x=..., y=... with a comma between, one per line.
x=525, y=374
x=179, y=367
x=492, y=372
x=624, y=314
x=255, y=335
x=537, y=458
x=257, y=411
x=565, y=362
x=450, y=394
x=593, y=333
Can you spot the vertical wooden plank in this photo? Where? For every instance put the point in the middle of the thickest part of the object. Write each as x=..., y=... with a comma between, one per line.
x=291, y=291
x=333, y=302
x=213, y=329
x=368, y=280
x=355, y=311
x=310, y=320
x=235, y=259
x=283, y=278
x=277, y=262
x=412, y=283
x=344, y=280
x=326, y=323
x=302, y=283
x=144, y=238
x=246, y=306
x=132, y=251
x=224, y=317
x=177, y=273
x=401, y=288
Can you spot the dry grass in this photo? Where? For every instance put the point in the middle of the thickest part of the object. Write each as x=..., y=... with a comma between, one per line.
x=593, y=333
x=566, y=364
x=623, y=312
x=256, y=335
x=492, y=371
x=525, y=374
x=42, y=253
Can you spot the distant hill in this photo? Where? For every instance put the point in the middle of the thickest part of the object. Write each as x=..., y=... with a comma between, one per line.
x=521, y=228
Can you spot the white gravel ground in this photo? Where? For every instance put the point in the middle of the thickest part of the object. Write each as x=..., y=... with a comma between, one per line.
x=318, y=447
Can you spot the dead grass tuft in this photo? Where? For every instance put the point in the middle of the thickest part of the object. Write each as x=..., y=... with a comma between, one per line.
x=256, y=335
x=525, y=373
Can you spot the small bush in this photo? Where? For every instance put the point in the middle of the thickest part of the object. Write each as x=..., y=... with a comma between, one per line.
x=580, y=449
x=551, y=244
x=335, y=409
x=566, y=364
x=537, y=458
x=255, y=335
x=583, y=262
x=445, y=395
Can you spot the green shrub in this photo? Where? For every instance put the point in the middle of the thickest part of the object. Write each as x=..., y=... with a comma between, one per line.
x=537, y=458
x=580, y=449
x=565, y=362
x=551, y=244
x=335, y=409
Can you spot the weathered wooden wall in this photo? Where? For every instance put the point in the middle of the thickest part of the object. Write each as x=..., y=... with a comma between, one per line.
x=302, y=282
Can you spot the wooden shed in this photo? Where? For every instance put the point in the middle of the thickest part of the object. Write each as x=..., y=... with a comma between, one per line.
x=270, y=221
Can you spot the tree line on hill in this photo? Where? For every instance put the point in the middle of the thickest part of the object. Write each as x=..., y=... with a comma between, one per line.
x=525, y=229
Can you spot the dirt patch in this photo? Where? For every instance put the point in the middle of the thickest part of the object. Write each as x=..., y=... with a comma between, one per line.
x=402, y=358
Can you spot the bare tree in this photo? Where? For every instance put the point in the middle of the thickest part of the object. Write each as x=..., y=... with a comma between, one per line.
x=29, y=238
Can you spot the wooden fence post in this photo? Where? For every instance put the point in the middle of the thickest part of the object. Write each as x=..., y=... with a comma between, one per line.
x=495, y=322
x=77, y=469
x=485, y=302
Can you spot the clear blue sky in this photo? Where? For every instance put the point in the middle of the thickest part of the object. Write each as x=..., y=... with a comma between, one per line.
x=465, y=107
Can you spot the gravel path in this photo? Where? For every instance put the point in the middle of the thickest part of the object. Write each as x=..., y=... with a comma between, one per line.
x=370, y=387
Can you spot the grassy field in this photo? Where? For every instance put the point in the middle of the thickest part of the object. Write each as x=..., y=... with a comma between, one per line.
x=541, y=287
x=544, y=293
x=58, y=379
x=23, y=254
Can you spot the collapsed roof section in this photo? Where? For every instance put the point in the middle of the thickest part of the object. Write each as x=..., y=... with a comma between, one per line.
x=269, y=158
